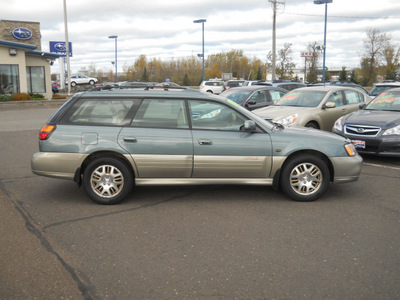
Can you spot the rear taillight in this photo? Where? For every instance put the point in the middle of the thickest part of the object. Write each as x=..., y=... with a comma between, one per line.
x=46, y=131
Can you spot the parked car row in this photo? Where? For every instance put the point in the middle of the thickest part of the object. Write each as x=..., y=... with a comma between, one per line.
x=372, y=125
x=218, y=86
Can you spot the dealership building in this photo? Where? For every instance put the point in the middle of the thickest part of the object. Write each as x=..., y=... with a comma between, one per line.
x=24, y=67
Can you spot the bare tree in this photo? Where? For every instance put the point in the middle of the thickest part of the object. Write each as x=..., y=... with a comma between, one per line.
x=285, y=65
x=312, y=62
x=374, y=46
x=391, y=55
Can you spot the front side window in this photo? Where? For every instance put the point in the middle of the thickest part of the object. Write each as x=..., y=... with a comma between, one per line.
x=160, y=113
x=259, y=97
x=214, y=116
x=337, y=98
x=9, y=79
x=36, y=80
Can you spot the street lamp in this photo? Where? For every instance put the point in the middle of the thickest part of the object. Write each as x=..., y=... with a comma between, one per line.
x=115, y=37
x=202, y=21
x=324, y=46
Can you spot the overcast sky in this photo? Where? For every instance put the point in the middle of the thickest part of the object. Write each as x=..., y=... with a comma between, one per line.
x=165, y=29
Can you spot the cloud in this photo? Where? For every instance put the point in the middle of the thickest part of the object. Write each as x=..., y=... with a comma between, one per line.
x=165, y=29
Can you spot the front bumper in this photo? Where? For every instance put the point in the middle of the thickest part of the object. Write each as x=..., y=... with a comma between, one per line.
x=379, y=145
x=346, y=169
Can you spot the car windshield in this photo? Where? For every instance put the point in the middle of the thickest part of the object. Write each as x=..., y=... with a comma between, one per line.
x=385, y=101
x=301, y=98
x=379, y=89
x=237, y=96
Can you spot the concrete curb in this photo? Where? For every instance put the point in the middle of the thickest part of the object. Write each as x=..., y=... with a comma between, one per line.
x=31, y=103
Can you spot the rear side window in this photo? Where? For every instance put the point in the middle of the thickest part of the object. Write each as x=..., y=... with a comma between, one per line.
x=353, y=97
x=160, y=113
x=98, y=112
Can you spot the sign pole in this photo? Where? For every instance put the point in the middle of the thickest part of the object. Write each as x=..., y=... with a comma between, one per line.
x=67, y=48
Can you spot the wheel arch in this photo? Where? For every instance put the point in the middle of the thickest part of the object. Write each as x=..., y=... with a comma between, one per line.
x=79, y=172
x=277, y=176
x=313, y=122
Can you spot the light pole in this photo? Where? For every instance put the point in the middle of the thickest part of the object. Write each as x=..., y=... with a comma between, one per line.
x=326, y=13
x=115, y=37
x=202, y=21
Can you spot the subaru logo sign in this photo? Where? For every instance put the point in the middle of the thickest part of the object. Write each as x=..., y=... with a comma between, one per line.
x=60, y=47
x=22, y=33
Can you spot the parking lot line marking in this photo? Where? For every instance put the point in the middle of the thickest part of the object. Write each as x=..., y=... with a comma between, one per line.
x=382, y=166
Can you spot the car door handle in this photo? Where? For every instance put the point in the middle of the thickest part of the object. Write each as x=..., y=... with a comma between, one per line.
x=130, y=139
x=205, y=142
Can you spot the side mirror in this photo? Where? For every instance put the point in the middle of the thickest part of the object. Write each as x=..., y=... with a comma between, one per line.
x=362, y=105
x=250, y=125
x=251, y=102
x=330, y=105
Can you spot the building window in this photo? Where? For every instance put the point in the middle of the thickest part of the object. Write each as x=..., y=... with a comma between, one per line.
x=9, y=79
x=36, y=80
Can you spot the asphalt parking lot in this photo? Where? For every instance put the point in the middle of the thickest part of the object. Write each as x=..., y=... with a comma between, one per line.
x=220, y=242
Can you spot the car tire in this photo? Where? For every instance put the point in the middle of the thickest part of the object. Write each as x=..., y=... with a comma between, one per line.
x=305, y=178
x=107, y=180
x=73, y=83
x=91, y=82
x=312, y=125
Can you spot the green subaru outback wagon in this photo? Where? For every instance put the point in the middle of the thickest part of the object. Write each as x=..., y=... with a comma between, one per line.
x=109, y=141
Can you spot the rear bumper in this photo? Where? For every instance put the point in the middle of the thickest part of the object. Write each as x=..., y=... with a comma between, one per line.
x=56, y=165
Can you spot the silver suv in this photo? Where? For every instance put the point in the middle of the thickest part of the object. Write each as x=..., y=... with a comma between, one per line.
x=212, y=86
x=82, y=79
x=110, y=141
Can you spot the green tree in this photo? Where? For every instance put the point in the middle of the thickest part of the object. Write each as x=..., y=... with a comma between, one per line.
x=343, y=74
x=259, y=73
x=144, y=77
x=186, y=81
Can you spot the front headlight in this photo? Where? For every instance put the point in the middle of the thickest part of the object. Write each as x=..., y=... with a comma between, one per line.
x=338, y=126
x=288, y=120
x=350, y=149
x=392, y=131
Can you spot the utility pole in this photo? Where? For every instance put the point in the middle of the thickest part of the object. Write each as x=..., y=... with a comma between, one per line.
x=274, y=9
